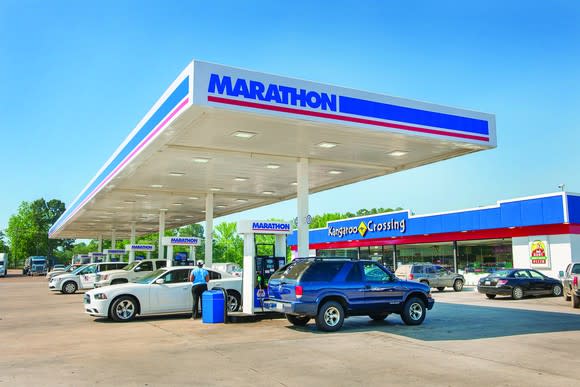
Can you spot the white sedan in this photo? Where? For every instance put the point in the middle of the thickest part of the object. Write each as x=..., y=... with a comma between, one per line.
x=164, y=291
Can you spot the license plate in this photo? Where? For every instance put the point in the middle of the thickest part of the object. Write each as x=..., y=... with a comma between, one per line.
x=488, y=282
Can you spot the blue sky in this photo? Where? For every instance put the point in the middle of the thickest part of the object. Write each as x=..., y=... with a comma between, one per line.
x=76, y=77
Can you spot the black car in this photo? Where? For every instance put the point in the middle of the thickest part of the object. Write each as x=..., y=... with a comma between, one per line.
x=519, y=283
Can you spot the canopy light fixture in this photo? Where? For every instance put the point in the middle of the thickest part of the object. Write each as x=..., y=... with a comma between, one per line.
x=176, y=173
x=294, y=183
x=397, y=153
x=335, y=172
x=241, y=200
x=156, y=185
x=243, y=134
x=164, y=209
x=201, y=160
x=240, y=178
x=273, y=166
x=140, y=195
x=327, y=145
x=193, y=197
x=177, y=204
x=220, y=206
x=268, y=192
x=129, y=201
x=215, y=189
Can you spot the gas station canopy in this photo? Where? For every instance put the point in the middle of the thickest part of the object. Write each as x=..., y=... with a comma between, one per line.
x=239, y=135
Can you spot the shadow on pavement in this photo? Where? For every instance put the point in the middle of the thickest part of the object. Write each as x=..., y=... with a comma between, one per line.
x=464, y=322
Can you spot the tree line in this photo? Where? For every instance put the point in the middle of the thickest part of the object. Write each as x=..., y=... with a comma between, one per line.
x=27, y=235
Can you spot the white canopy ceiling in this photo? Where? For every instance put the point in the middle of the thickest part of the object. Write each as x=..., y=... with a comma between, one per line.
x=239, y=134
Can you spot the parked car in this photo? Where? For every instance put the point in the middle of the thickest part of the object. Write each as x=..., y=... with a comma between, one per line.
x=163, y=291
x=82, y=277
x=434, y=276
x=58, y=271
x=518, y=283
x=330, y=290
x=570, y=279
x=129, y=273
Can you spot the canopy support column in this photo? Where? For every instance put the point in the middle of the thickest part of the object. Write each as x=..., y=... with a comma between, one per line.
x=209, y=230
x=302, y=199
x=100, y=243
x=132, y=253
x=161, y=234
x=113, y=238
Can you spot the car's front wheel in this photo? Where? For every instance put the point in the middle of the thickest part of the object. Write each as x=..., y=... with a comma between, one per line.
x=298, y=321
x=330, y=317
x=378, y=316
x=458, y=285
x=414, y=311
x=123, y=309
x=557, y=291
x=69, y=287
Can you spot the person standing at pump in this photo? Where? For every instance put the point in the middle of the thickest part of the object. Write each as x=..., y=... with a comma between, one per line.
x=199, y=278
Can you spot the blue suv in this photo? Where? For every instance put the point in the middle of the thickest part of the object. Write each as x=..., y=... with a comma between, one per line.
x=329, y=290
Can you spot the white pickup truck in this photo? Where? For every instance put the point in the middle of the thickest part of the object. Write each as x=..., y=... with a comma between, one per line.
x=129, y=273
x=571, y=283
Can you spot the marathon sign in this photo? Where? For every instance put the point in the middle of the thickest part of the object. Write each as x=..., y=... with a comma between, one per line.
x=181, y=241
x=140, y=248
x=270, y=92
x=97, y=254
x=376, y=227
x=114, y=251
x=263, y=227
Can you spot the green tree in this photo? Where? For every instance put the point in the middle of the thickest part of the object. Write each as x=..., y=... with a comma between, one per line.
x=28, y=230
x=228, y=245
x=3, y=245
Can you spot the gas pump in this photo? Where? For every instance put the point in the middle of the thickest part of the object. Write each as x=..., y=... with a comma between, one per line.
x=96, y=257
x=259, y=267
x=265, y=267
x=180, y=259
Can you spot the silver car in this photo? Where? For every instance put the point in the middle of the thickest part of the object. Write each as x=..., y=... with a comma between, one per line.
x=433, y=275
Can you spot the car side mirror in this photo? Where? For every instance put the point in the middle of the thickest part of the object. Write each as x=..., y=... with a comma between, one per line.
x=160, y=281
x=138, y=268
x=560, y=274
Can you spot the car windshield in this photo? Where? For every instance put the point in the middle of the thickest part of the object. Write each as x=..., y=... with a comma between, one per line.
x=76, y=271
x=149, y=278
x=501, y=273
x=131, y=265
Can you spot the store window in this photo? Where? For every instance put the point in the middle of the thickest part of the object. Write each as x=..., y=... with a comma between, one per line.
x=486, y=256
x=439, y=254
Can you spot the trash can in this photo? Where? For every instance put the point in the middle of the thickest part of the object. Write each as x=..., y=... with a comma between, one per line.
x=212, y=311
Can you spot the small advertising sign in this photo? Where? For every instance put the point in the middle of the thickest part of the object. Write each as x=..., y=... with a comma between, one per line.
x=539, y=252
x=140, y=248
x=114, y=251
x=181, y=241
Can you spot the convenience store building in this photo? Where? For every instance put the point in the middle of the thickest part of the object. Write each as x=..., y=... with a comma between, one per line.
x=540, y=232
